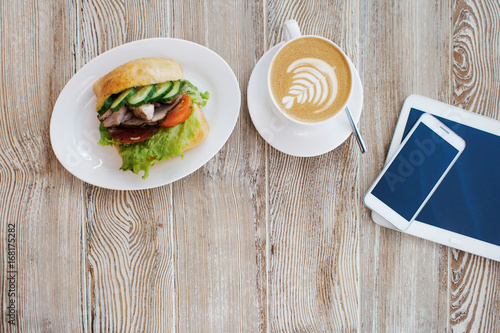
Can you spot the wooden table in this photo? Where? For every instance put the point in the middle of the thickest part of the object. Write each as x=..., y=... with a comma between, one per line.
x=256, y=240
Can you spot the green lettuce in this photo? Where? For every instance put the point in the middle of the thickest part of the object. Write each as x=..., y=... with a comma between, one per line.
x=164, y=145
x=196, y=96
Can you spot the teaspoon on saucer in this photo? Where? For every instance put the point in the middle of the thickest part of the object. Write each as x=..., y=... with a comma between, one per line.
x=356, y=131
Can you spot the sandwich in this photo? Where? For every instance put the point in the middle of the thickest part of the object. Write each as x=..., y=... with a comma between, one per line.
x=149, y=112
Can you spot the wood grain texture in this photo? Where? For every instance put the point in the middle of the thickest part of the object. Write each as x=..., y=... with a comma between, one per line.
x=130, y=278
x=312, y=231
x=474, y=303
x=403, y=279
x=219, y=211
x=476, y=56
x=256, y=240
x=49, y=236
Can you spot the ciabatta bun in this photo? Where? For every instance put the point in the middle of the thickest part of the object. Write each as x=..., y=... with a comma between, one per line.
x=135, y=73
x=202, y=131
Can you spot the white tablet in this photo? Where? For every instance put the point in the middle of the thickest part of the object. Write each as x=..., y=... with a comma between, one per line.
x=464, y=211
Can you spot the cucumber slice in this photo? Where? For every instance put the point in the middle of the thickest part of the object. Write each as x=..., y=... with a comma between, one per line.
x=121, y=99
x=106, y=105
x=172, y=93
x=161, y=90
x=142, y=95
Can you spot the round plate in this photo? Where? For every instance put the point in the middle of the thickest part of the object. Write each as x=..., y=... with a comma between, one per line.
x=291, y=138
x=74, y=127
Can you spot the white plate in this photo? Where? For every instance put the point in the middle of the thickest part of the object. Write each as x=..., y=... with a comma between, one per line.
x=74, y=128
x=288, y=137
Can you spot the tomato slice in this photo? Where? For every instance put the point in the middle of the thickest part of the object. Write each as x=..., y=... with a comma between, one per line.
x=179, y=113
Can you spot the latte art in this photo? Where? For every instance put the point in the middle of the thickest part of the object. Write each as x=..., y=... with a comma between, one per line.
x=313, y=79
x=310, y=79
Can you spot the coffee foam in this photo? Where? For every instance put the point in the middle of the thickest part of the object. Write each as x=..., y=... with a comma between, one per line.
x=310, y=79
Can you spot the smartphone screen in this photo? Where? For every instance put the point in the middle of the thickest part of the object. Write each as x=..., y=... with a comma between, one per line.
x=415, y=171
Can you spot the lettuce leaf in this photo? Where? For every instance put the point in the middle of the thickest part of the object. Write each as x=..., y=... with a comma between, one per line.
x=196, y=96
x=164, y=145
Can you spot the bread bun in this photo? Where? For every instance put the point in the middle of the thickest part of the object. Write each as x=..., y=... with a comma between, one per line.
x=138, y=72
x=202, y=131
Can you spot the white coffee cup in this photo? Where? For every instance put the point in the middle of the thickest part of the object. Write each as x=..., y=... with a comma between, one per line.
x=337, y=92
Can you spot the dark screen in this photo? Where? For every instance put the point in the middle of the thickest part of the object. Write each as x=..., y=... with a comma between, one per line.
x=468, y=199
x=415, y=171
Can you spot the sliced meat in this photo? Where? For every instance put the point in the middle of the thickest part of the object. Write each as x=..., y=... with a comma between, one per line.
x=105, y=115
x=161, y=112
x=159, y=115
x=140, y=116
x=163, y=109
x=135, y=122
x=176, y=100
x=116, y=118
x=144, y=111
x=131, y=135
x=127, y=116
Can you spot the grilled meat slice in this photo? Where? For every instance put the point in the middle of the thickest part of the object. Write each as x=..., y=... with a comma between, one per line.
x=127, y=116
x=144, y=111
x=135, y=122
x=161, y=112
x=116, y=118
x=159, y=115
x=144, y=115
x=105, y=115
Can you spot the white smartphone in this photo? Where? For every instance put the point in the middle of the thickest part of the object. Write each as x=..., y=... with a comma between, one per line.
x=424, y=158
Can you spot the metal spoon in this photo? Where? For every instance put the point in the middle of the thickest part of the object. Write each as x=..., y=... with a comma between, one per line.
x=356, y=131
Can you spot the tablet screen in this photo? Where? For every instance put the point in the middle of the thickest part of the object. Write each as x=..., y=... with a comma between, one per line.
x=468, y=199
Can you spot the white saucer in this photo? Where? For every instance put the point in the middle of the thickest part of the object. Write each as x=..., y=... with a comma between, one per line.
x=288, y=137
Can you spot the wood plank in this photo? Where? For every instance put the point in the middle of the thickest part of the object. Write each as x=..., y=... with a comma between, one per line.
x=403, y=279
x=130, y=272
x=476, y=53
x=219, y=211
x=312, y=232
x=475, y=281
x=130, y=279
x=48, y=233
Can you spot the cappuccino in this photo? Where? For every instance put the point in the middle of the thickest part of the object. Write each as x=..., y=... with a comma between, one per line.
x=310, y=79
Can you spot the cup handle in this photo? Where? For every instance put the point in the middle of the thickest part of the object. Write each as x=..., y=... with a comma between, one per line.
x=291, y=30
